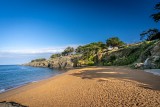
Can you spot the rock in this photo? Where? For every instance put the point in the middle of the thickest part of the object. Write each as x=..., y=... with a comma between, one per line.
x=138, y=65
x=156, y=50
x=112, y=48
x=62, y=62
x=151, y=61
x=10, y=104
x=115, y=48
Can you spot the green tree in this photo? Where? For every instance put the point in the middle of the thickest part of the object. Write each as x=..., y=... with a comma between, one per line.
x=114, y=42
x=90, y=51
x=156, y=16
x=38, y=60
x=68, y=50
x=79, y=49
x=150, y=34
x=55, y=55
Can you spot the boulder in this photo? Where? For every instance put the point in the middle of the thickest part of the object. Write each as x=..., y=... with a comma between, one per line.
x=138, y=65
x=10, y=104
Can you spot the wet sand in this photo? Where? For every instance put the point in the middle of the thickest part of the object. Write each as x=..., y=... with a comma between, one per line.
x=91, y=87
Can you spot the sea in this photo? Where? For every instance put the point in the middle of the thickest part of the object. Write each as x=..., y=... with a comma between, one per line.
x=13, y=76
x=153, y=71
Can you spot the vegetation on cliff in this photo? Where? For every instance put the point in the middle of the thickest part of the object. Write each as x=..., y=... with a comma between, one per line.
x=98, y=53
x=38, y=60
x=114, y=42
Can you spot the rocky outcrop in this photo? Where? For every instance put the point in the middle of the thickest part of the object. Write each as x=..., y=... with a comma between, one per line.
x=139, y=55
x=153, y=61
x=62, y=62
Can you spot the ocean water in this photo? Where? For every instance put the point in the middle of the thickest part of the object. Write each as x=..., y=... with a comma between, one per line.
x=153, y=71
x=12, y=76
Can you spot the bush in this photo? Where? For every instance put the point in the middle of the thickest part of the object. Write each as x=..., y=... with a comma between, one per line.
x=126, y=60
x=107, y=64
x=90, y=63
x=55, y=55
x=112, y=58
x=38, y=60
x=67, y=51
x=115, y=41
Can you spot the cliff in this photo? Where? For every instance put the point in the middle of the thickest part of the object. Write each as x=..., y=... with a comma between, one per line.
x=62, y=62
x=139, y=55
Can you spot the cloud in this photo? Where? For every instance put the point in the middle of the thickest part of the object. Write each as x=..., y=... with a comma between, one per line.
x=31, y=51
x=35, y=51
x=21, y=56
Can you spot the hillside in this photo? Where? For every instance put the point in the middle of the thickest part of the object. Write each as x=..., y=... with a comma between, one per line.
x=139, y=55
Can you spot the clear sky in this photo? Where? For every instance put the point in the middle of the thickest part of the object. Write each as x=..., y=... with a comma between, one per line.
x=37, y=28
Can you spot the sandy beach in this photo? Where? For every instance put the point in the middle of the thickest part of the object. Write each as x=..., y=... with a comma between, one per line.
x=91, y=87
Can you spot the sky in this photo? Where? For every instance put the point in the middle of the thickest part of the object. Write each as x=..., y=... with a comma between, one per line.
x=32, y=29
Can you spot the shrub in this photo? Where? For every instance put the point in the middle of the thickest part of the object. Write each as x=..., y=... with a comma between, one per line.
x=107, y=64
x=55, y=55
x=90, y=63
x=112, y=58
x=67, y=51
x=115, y=41
x=38, y=60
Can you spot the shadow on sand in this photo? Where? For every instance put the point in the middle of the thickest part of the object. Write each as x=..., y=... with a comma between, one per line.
x=149, y=81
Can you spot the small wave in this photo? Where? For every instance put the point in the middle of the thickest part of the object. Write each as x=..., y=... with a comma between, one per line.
x=2, y=90
x=34, y=81
x=154, y=71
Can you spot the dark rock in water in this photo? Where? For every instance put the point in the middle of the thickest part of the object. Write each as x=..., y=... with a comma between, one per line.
x=11, y=104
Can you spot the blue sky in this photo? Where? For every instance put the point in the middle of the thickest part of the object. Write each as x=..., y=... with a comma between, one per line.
x=37, y=28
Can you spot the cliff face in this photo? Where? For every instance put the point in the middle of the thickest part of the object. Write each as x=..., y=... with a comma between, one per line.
x=140, y=55
x=38, y=64
x=153, y=61
x=62, y=62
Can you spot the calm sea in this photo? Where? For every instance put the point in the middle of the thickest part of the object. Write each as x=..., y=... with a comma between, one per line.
x=153, y=71
x=12, y=76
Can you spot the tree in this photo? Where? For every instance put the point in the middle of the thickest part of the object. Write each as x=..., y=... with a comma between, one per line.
x=150, y=34
x=39, y=60
x=114, y=42
x=154, y=33
x=79, y=49
x=55, y=55
x=89, y=52
x=156, y=16
x=68, y=50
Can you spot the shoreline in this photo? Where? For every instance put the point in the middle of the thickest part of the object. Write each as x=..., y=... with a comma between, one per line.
x=26, y=86
x=153, y=71
x=82, y=86
x=29, y=81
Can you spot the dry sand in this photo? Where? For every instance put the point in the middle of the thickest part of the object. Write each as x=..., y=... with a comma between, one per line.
x=91, y=87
